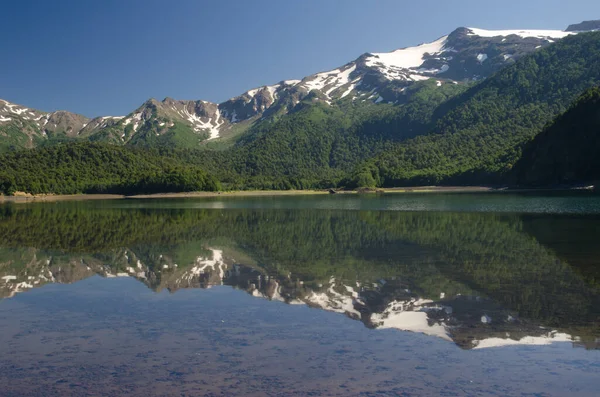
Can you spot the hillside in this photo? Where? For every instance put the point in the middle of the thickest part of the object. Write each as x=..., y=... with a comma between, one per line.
x=317, y=145
x=98, y=168
x=454, y=134
x=478, y=135
x=566, y=152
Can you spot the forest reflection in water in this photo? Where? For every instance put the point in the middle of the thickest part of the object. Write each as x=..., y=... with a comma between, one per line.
x=476, y=279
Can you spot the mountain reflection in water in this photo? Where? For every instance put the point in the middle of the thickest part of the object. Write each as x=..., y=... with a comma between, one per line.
x=477, y=279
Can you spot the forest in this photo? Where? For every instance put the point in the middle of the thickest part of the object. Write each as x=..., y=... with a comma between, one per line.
x=98, y=168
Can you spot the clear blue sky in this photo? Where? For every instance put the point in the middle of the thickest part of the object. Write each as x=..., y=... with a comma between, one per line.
x=107, y=57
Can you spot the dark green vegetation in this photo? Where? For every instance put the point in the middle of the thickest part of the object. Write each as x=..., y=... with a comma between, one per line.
x=318, y=145
x=478, y=135
x=499, y=258
x=98, y=168
x=567, y=151
x=13, y=138
x=452, y=134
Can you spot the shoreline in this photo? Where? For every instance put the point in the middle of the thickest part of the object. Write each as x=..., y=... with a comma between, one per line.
x=28, y=198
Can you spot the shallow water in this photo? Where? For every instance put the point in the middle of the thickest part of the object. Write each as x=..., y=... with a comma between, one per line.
x=421, y=294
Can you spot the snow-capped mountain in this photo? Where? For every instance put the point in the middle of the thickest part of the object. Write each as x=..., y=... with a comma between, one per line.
x=466, y=54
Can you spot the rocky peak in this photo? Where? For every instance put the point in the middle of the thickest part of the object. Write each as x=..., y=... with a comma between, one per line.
x=584, y=26
x=65, y=122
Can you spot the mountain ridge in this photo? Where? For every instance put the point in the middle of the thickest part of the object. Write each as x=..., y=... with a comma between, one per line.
x=464, y=55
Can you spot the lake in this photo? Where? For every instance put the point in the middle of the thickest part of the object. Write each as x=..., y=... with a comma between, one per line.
x=398, y=294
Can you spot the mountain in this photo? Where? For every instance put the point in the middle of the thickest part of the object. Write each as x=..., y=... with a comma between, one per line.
x=453, y=134
x=465, y=55
x=566, y=152
x=458, y=110
x=477, y=136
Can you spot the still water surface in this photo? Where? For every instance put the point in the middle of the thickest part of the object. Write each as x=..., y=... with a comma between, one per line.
x=414, y=294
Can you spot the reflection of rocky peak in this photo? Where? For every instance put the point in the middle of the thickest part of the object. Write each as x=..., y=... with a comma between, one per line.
x=33, y=269
x=206, y=271
x=471, y=321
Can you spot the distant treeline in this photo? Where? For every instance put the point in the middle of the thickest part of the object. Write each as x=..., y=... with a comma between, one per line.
x=98, y=168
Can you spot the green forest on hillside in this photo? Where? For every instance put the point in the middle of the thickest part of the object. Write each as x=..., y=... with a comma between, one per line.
x=457, y=134
x=566, y=152
x=448, y=135
x=479, y=135
x=98, y=168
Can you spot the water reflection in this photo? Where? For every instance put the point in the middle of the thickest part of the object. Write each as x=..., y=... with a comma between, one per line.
x=478, y=280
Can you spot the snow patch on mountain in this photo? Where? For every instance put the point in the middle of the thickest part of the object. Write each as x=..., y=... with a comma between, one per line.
x=548, y=339
x=216, y=263
x=351, y=87
x=406, y=63
x=406, y=58
x=277, y=292
x=252, y=93
x=212, y=125
x=136, y=119
x=331, y=80
x=342, y=79
x=334, y=301
x=540, y=34
x=12, y=108
x=273, y=92
x=411, y=316
x=418, y=77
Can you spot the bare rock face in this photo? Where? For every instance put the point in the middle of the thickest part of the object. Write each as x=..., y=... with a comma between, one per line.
x=67, y=123
x=584, y=26
x=34, y=268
